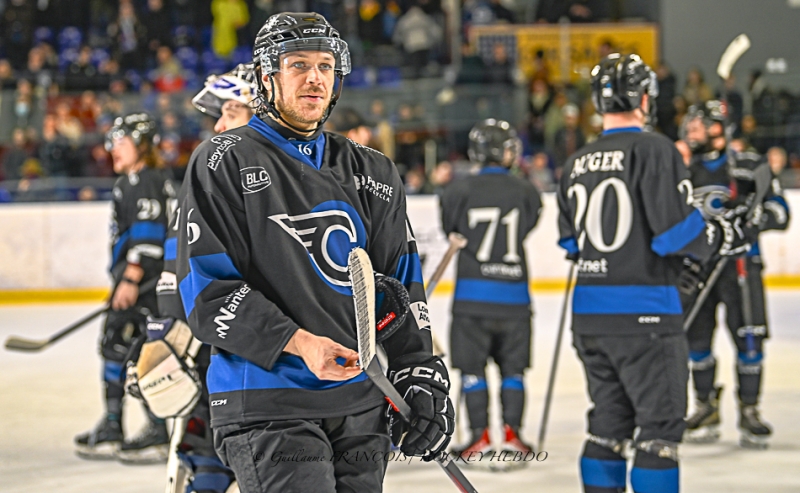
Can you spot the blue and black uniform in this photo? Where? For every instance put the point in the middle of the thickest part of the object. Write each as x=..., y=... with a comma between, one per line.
x=495, y=211
x=626, y=217
x=266, y=226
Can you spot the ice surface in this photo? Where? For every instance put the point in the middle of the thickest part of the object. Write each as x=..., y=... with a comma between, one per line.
x=46, y=398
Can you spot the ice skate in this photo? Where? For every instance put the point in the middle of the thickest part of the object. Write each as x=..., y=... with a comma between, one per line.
x=703, y=425
x=101, y=443
x=755, y=433
x=514, y=453
x=150, y=446
x=478, y=453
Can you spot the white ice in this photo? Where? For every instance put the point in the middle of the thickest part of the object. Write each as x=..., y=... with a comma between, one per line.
x=46, y=398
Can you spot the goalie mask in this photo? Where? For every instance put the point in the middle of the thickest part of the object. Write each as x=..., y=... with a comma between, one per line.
x=239, y=85
x=292, y=32
x=494, y=142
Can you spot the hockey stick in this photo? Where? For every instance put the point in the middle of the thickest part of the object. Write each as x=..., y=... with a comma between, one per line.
x=362, y=279
x=552, y=378
x=457, y=242
x=176, y=476
x=16, y=343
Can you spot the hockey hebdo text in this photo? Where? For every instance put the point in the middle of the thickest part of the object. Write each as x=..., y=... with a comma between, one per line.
x=351, y=457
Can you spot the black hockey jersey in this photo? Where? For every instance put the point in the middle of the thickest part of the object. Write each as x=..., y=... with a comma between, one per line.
x=139, y=223
x=712, y=181
x=169, y=302
x=265, y=231
x=626, y=209
x=495, y=212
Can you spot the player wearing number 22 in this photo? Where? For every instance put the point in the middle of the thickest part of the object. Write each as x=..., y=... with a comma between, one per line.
x=271, y=211
x=626, y=219
x=495, y=211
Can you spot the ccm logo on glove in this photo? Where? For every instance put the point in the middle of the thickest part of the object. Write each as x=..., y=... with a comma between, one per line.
x=421, y=372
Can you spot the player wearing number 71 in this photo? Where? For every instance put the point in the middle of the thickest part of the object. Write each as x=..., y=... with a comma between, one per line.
x=626, y=218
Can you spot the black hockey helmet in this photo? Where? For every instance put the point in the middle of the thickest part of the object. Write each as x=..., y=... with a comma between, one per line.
x=709, y=113
x=620, y=82
x=140, y=127
x=297, y=31
x=489, y=140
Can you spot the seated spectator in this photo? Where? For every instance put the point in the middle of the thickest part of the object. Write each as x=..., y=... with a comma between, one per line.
x=777, y=159
x=500, y=68
x=417, y=33
x=229, y=17
x=81, y=74
x=569, y=138
x=383, y=138
x=129, y=38
x=36, y=71
x=538, y=104
x=157, y=26
x=540, y=173
x=87, y=194
x=7, y=79
x=23, y=103
x=696, y=90
x=15, y=156
x=54, y=150
x=88, y=111
x=67, y=124
x=168, y=76
x=414, y=182
x=473, y=68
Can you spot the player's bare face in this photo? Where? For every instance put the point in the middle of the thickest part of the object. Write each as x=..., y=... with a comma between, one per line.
x=304, y=87
x=124, y=154
x=234, y=115
x=696, y=133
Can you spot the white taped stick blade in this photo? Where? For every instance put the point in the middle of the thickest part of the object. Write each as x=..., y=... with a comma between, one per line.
x=362, y=279
x=732, y=53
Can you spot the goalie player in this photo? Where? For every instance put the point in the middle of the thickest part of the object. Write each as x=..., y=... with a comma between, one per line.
x=716, y=170
x=626, y=218
x=138, y=228
x=495, y=211
x=272, y=210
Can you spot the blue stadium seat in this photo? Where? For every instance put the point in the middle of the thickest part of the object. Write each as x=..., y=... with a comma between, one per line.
x=212, y=64
x=188, y=57
x=389, y=77
x=183, y=36
x=67, y=56
x=134, y=79
x=43, y=35
x=242, y=54
x=99, y=56
x=205, y=38
x=358, y=78
x=70, y=37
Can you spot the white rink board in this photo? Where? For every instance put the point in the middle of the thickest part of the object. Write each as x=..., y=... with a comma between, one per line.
x=66, y=245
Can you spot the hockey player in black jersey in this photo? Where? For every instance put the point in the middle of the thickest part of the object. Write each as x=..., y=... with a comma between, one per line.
x=626, y=218
x=715, y=171
x=271, y=211
x=491, y=305
x=138, y=228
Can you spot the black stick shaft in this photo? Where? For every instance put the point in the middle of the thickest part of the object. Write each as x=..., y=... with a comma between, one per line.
x=552, y=379
x=701, y=298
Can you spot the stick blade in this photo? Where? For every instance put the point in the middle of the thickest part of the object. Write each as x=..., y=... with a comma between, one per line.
x=733, y=52
x=14, y=343
x=362, y=279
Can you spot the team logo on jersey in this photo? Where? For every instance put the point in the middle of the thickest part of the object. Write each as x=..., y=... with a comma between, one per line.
x=224, y=142
x=328, y=233
x=254, y=179
x=711, y=199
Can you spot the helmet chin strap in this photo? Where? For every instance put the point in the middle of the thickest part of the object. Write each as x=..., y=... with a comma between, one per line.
x=273, y=110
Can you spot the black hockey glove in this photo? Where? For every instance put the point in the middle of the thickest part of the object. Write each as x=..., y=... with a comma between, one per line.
x=424, y=383
x=691, y=278
x=393, y=304
x=738, y=235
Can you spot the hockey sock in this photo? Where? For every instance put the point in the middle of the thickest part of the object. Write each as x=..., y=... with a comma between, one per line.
x=704, y=369
x=602, y=470
x=513, y=398
x=112, y=377
x=653, y=474
x=476, y=396
x=748, y=370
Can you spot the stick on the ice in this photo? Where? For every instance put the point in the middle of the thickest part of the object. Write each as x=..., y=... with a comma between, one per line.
x=457, y=242
x=362, y=279
x=554, y=365
x=16, y=343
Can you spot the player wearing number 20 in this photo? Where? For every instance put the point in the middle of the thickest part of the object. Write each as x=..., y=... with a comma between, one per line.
x=491, y=305
x=626, y=218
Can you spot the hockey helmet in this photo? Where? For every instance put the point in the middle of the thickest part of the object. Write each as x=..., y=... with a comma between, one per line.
x=140, y=127
x=709, y=113
x=619, y=84
x=298, y=31
x=490, y=139
x=237, y=85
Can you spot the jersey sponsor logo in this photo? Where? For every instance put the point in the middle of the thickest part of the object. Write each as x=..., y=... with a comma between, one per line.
x=327, y=233
x=228, y=311
x=420, y=312
x=649, y=320
x=224, y=143
x=254, y=179
x=598, y=161
x=376, y=188
x=593, y=267
x=501, y=270
x=133, y=179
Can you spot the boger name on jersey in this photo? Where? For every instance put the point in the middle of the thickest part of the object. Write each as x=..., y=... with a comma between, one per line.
x=598, y=161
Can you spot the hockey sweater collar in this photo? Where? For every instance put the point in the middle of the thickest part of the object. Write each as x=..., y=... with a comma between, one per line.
x=494, y=170
x=308, y=151
x=620, y=130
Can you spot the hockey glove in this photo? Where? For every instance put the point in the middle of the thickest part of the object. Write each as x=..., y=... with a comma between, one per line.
x=738, y=235
x=691, y=278
x=424, y=383
x=393, y=305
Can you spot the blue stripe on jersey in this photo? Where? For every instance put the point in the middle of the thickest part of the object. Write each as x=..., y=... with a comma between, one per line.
x=678, y=236
x=655, y=480
x=570, y=245
x=482, y=291
x=292, y=148
x=231, y=373
x=148, y=230
x=472, y=384
x=171, y=249
x=409, y=269
x=755, y=250
x=632, y=300
x=513, y=383
x=202, y=271
x=117, y=249
x=620, y=130
x=779, y=200
x=494, y=170
x=715, y=164
x=603, y=473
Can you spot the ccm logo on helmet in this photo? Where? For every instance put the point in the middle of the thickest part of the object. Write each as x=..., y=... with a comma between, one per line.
x=421, y=372
x=315, y=30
